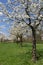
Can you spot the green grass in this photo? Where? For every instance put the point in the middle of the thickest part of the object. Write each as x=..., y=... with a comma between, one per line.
x=13, y=54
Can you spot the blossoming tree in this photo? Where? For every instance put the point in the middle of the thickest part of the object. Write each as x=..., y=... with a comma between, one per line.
x=28, y=12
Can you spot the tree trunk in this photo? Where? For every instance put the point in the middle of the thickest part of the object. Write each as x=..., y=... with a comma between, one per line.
x=21, y=40
x=17, y=40
x=34, y=45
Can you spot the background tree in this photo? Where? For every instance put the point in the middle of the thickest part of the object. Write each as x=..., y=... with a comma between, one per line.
x=21, y=11
x=18, y=30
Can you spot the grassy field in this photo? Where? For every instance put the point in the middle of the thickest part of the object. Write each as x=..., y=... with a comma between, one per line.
x=13, y=54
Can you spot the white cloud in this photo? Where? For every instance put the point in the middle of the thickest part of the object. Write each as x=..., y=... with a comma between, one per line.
x=1, y=13
x=9, y=1
x=4, y=19
x=3, y=26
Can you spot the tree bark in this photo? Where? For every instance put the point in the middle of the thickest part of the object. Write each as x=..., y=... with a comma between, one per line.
x=21, y=40
x=17, y=39
x=34, y=45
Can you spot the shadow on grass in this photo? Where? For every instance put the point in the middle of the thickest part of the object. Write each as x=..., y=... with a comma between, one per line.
x=27, y=45
x=39, y=54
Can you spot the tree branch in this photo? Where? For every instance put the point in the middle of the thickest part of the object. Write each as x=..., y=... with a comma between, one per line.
x=37, y=25
x=28, y=24
x=39, y=18
x=27, y=12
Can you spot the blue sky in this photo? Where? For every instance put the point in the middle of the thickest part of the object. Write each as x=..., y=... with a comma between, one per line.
x=4, y=26
x=4, y=1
